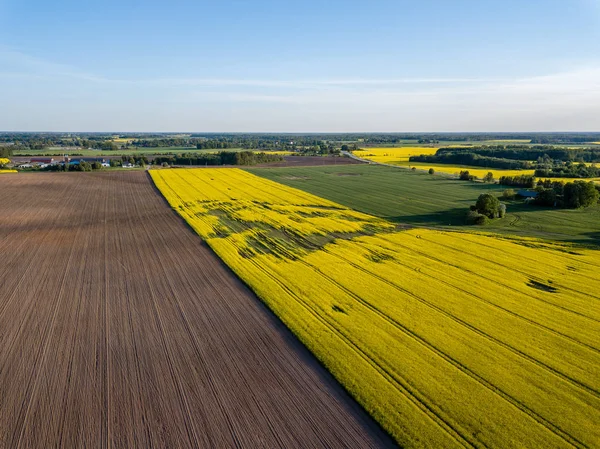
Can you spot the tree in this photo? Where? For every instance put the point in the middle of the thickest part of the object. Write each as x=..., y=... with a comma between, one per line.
x=466, y=176
x=502, y=211
x=345, y=148
x=489, y=177
x=109, y=146
x=488, y=205
x=475, y=218
x=431, y=171
x=5, y=152
x=580, y=194
x=546, y=197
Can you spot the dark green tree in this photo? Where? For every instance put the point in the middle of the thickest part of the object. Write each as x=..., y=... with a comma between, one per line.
x=488, y=205
x=580, y=194
x=466, y=176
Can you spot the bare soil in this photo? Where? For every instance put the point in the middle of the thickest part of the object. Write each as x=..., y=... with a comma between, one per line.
x=311, y=161
x=120, y=328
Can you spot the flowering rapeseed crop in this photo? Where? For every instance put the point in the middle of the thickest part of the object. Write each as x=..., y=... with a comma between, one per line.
x=447, y=339
x=400, y=156
x=393, y=155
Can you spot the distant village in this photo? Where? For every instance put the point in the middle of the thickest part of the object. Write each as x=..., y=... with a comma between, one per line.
x=48, y=162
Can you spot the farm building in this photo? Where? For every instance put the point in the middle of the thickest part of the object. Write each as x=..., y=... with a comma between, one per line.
x=41, y=160
x=527, y=193
x=89, y=160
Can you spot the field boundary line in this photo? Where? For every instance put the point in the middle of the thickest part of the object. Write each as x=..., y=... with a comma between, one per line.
x=276, y=316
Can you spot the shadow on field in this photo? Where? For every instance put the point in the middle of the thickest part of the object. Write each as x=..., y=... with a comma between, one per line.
x=481, y=186
x=587, y=239
x=450, y=217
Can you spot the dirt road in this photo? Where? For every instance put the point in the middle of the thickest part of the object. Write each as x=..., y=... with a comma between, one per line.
x=119, y=328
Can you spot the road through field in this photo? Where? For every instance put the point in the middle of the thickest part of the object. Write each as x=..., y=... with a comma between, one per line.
x=120, y=328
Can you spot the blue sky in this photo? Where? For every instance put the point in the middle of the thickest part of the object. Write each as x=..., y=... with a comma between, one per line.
x=300, y=66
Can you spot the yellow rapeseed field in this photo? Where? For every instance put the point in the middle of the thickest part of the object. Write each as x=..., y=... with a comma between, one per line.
x=565, y=180
x=476, y=171
x=391, y=155
x=8, y=171
x=448, y=339
x=400, y=156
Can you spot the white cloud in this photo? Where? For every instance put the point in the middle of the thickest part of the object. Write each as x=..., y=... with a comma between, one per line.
x=50, y=96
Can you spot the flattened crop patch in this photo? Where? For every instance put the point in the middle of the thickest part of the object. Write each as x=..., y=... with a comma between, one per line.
x=541, y=286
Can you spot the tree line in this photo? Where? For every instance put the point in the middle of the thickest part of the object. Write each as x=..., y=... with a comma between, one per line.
x=570, y=195
x=526, y=181
x=528, y=153
x=220, y=158
x=567, y=170
x=464, y=158
x=6, y=152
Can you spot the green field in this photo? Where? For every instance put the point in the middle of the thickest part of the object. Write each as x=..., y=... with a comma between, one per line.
x=420, y=199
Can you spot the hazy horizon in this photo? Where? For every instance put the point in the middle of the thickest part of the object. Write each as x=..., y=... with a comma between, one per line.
x=179, y=132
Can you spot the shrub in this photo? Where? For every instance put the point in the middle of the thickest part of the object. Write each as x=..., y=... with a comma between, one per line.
x=502, y=211
x=509, y=194
x=431, y=171
x=466, y=176
x=475, y=218
x=482, y=220
x=489, y=177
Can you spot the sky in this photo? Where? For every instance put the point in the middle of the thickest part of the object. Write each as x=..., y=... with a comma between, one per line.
x=300, y=66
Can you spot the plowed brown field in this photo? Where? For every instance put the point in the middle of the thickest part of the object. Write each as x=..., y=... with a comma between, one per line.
x=119, y=328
